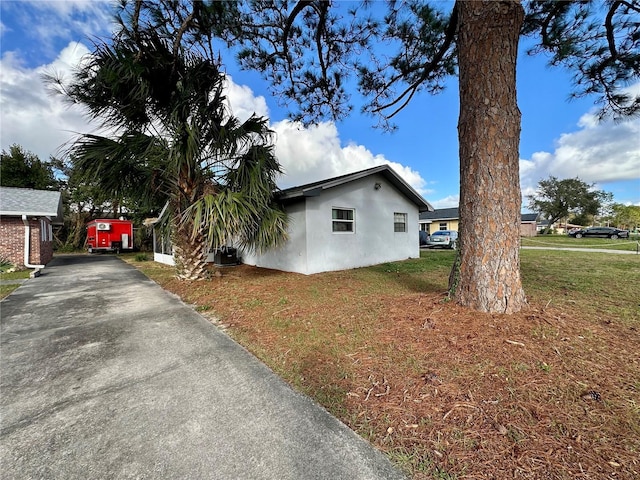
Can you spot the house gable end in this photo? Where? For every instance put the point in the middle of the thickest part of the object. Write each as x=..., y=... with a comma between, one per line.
x=316, y=188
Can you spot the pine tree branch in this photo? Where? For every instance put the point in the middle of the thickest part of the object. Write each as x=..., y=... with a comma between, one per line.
x=428, y=69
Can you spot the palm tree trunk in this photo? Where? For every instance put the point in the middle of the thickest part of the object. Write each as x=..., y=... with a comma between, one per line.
x=189, y=251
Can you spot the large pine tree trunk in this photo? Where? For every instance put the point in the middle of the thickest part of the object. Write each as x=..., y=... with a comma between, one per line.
x=486, y=276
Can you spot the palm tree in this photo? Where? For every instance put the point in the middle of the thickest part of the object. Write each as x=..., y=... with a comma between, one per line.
x=172, y=135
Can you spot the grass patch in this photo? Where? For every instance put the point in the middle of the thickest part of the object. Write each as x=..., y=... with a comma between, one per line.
x=19, y=275
x=598, y=285
x=564, y=241
x=447, y=392
x=5, y=290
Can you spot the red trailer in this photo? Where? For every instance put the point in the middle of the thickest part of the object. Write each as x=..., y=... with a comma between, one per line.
x=109, y=235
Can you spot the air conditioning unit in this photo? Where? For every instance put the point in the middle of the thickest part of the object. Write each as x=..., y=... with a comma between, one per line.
x=104, y=226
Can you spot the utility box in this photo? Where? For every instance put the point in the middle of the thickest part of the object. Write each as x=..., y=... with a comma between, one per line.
x=226, y=256
x=109, y=235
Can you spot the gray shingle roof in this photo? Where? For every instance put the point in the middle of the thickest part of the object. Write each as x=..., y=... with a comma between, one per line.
x=441, y=214
x=529, y=217
x=34, y=203
x=454, y=214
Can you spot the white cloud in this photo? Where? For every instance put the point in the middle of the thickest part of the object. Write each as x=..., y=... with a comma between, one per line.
x=243, y=102
x=315, y=153
x=64, y=20
x=448, y=202
x=42, y=123
x=30, y=115
x=599, y=152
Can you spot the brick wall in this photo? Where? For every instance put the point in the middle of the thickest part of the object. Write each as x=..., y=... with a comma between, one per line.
x=12, y=241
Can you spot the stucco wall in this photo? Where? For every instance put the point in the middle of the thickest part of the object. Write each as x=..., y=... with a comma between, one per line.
x=313, y=246
x=292, y=256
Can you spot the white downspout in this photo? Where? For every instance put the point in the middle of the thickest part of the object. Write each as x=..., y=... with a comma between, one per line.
x=27, y=243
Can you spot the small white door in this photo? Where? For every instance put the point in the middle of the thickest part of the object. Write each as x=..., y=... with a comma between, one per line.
x=125, y=240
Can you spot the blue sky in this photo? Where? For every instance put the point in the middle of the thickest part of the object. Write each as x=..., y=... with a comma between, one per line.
x=559, y=137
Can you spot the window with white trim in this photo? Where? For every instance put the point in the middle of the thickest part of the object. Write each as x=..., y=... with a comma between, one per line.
x=43, y=230
x=443, y=226
x=399, y=222
x=343, y=220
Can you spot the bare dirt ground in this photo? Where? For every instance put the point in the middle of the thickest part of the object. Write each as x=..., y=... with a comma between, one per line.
x=446, y=392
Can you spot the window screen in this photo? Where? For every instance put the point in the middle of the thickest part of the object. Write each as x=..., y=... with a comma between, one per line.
x=343, y=220
x=399, y=222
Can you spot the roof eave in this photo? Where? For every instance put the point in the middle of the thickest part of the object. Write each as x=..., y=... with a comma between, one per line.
x=316, y=189
x=13, y=213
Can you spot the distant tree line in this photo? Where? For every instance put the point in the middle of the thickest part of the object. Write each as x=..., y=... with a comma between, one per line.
x=580, y=203
x=83, y=200
x=623, y=216
x=20, y=168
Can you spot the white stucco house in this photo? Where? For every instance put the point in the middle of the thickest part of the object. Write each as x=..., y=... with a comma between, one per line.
x=355, y=220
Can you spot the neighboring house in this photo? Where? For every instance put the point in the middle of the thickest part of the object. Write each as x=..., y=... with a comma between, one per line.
x=355, y=220
x=26, y=219
x=440, y=219
x=542, y=225
x=558, y=228
x=449, y=219
x=529, y=225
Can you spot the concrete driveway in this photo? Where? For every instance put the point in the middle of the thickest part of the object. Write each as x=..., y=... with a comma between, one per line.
x=105, y=375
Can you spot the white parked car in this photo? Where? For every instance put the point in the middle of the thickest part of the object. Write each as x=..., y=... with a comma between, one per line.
x=444, y=239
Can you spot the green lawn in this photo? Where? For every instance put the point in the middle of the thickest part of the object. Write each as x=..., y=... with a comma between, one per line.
x=445, y=391
x=7, y=289
x=564, y=241
x=595, y=284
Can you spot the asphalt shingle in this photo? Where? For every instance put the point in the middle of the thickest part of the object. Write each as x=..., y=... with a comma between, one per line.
x=26, y=201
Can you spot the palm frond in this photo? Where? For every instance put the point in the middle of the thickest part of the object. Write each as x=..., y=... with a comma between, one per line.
x=128, y=166
x=176, y=136
x=239, y=218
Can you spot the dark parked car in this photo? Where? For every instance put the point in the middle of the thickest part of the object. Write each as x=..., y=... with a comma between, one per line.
x=600, y=232
x=444, y=239
x=424, y=238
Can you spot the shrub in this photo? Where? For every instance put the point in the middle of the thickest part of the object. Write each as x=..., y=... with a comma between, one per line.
x=6, y=265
